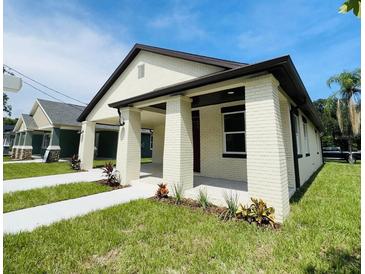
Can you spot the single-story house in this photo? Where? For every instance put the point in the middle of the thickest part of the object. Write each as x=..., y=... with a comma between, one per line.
x=53, y=127
x=8, y=138
x=254, y=124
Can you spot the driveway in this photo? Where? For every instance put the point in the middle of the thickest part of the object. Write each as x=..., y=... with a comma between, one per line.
x=31, y=218
x=51, y=180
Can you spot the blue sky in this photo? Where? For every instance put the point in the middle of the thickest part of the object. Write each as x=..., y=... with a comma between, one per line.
x=74, y=46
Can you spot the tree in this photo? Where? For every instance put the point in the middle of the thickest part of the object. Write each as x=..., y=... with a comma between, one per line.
x=9, y=121
x=348, y=105
x=354, y=5
x=6, y=106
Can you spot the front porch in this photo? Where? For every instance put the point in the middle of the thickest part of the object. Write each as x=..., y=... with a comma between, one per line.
x=233, y=136
x=215, y=187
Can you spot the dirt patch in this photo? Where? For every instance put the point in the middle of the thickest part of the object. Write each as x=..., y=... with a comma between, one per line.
x=102, y=260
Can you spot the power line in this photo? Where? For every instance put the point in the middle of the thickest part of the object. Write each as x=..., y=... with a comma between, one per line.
x=46, y=93
x=43, y=85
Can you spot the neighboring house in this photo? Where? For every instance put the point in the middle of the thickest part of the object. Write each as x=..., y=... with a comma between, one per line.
x=250, y=123
x=8, y=138
x=53, y=127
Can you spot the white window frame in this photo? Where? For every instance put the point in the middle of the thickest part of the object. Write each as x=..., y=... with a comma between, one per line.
x=298, y=134
x=233, y=132
x=141, y=71
x=306, y=137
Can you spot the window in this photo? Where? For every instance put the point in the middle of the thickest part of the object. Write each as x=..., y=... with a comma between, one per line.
x=306, y=139
x=140, y=71
x=297, y=135
x=46, y=139
x=234, y=133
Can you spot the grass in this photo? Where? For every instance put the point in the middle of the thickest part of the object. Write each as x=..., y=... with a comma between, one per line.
x=7, y=158
x=101, y=162
x=322, y=234
x=25, y=170
x=35, y=197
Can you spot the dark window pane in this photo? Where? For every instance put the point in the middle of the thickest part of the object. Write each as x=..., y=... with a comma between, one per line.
x=234, y=122
x=235, y=142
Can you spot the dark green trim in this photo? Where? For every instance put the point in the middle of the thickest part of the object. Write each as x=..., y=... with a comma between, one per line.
x=229, y=155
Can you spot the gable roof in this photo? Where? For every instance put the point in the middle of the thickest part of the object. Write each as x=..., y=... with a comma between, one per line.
x=226, y=64
x=282, y=68
x=61, y=113
x=29, y=122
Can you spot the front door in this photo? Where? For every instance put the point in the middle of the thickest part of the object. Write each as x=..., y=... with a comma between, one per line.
x=196, y=140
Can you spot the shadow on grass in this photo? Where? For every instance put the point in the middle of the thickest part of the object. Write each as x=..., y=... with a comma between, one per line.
x=299, y=193
x=340, y=261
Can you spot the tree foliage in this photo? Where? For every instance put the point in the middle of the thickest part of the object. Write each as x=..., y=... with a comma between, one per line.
x=354, y=5
x=6, y=106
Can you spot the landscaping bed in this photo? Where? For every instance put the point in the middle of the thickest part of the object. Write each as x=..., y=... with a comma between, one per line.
x=321, y=235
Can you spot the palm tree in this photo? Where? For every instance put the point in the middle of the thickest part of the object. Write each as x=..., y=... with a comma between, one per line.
x=348, y=106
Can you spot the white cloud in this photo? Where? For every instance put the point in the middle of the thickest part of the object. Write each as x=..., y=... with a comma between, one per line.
x=60, y=50
x=181, y=21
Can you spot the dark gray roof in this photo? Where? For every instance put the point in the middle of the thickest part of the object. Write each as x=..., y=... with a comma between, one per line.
x=29, y=121
x=8, y=128
x=62, y=113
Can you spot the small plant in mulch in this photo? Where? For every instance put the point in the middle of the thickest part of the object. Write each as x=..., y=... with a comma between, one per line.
x=162, y=191
x=258, y=212
x=112, y=178
x=178, y=193
x=75, y=162
x=203, y=198
x=232, y=206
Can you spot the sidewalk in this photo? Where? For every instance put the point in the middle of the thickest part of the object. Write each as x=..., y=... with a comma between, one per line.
x=31, y=218
x=51, y=180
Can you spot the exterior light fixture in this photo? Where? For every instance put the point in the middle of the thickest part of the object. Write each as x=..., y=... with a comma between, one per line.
x=230, y=92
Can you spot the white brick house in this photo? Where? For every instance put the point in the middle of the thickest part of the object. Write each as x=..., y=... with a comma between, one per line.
x=249, y=125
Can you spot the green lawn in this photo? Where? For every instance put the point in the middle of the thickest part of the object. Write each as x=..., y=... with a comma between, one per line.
x=321, y=235
x=101, y=163
x=7, y=158
x=34, y=197
x=24, y=170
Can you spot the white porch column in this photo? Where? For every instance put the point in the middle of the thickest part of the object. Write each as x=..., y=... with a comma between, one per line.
x=158, y=143
x=266, y=160
x=87, y=143
x=129, y=145
x=178, y=148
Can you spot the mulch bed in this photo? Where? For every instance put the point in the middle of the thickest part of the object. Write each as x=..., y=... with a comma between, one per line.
x=114, y=187
x=211, y=209
x=190, y=203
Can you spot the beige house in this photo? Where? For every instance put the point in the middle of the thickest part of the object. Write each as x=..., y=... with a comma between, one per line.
x=250, y=127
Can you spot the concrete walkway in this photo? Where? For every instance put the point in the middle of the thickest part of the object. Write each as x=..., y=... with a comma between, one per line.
x=31, y=218
x=51, y=180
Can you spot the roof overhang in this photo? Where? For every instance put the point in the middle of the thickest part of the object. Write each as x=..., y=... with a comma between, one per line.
x=282, y=68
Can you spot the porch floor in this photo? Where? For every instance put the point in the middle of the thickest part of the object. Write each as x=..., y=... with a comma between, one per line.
x=216, y=188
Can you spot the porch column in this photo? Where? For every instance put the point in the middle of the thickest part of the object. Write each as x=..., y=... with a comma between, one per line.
x=178, y=148
x=54, y=149
x=158, y=142
x=129, y=145
x=19, y=145
x=266, y=162
x=15, y=146
x=26, y=148
x=87, y=143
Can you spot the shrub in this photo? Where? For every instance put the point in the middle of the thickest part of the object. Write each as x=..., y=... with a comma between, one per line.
x=203, y=198
x=178, y=193
x=258, y=212
x=111, y=174
x=232, y=206
x=75, y=162
x=162, y=191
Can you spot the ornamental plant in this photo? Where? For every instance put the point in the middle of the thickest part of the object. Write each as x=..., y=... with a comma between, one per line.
x=75, y=162
x=162, y=191
x=110, y=173
x=258, y=212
